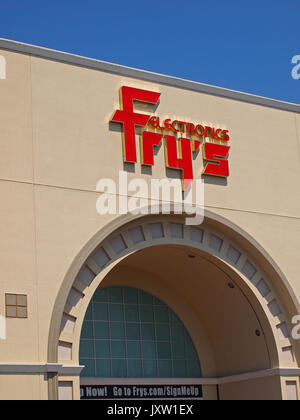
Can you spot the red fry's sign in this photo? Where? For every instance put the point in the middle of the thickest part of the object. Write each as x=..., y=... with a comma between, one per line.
x=178, y=151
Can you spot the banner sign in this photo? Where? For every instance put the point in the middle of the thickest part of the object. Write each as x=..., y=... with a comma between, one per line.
x=141, y=392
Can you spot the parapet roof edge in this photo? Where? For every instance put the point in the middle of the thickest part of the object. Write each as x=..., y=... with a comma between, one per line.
x=145, y=75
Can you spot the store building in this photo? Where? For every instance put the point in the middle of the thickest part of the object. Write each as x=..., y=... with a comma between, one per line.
x=131, y=305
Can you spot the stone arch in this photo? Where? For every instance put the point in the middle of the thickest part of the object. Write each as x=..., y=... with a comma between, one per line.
x=217, y=240
x=2, y=67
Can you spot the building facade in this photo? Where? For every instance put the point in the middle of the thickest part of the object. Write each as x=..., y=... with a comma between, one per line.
x=92, y=301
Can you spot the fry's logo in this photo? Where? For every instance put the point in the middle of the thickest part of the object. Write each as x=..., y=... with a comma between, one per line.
x=179, y=152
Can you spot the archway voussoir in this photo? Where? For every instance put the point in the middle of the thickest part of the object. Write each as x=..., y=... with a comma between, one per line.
x=156, y=231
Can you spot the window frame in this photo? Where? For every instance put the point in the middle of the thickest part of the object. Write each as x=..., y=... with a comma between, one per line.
x=16, y=305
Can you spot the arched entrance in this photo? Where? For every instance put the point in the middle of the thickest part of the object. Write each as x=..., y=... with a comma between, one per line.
x=230, y=297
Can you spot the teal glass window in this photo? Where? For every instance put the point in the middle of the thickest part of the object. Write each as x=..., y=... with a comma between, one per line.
x=128, y=333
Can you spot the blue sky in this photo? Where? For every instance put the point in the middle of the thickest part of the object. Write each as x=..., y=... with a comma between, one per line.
x=246, y=46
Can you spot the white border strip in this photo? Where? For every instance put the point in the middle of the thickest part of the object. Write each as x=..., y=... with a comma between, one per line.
x=65, y=370
x=147, y=381
x=32, y=368
x=2, y=67
x=2, y=324
x=288, y=372
x=282, y=372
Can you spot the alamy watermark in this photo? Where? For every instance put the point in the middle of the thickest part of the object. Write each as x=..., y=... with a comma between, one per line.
x=296, y=329
x=2, y=67
x=296, y=68
x=2, y=328
x=160, y=196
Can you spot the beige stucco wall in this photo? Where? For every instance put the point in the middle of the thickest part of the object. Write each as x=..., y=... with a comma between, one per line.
x=23, y=387
x=252, y=390
x=55, y=145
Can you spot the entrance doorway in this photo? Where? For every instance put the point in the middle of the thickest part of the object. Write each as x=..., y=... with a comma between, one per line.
x=230, y=308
